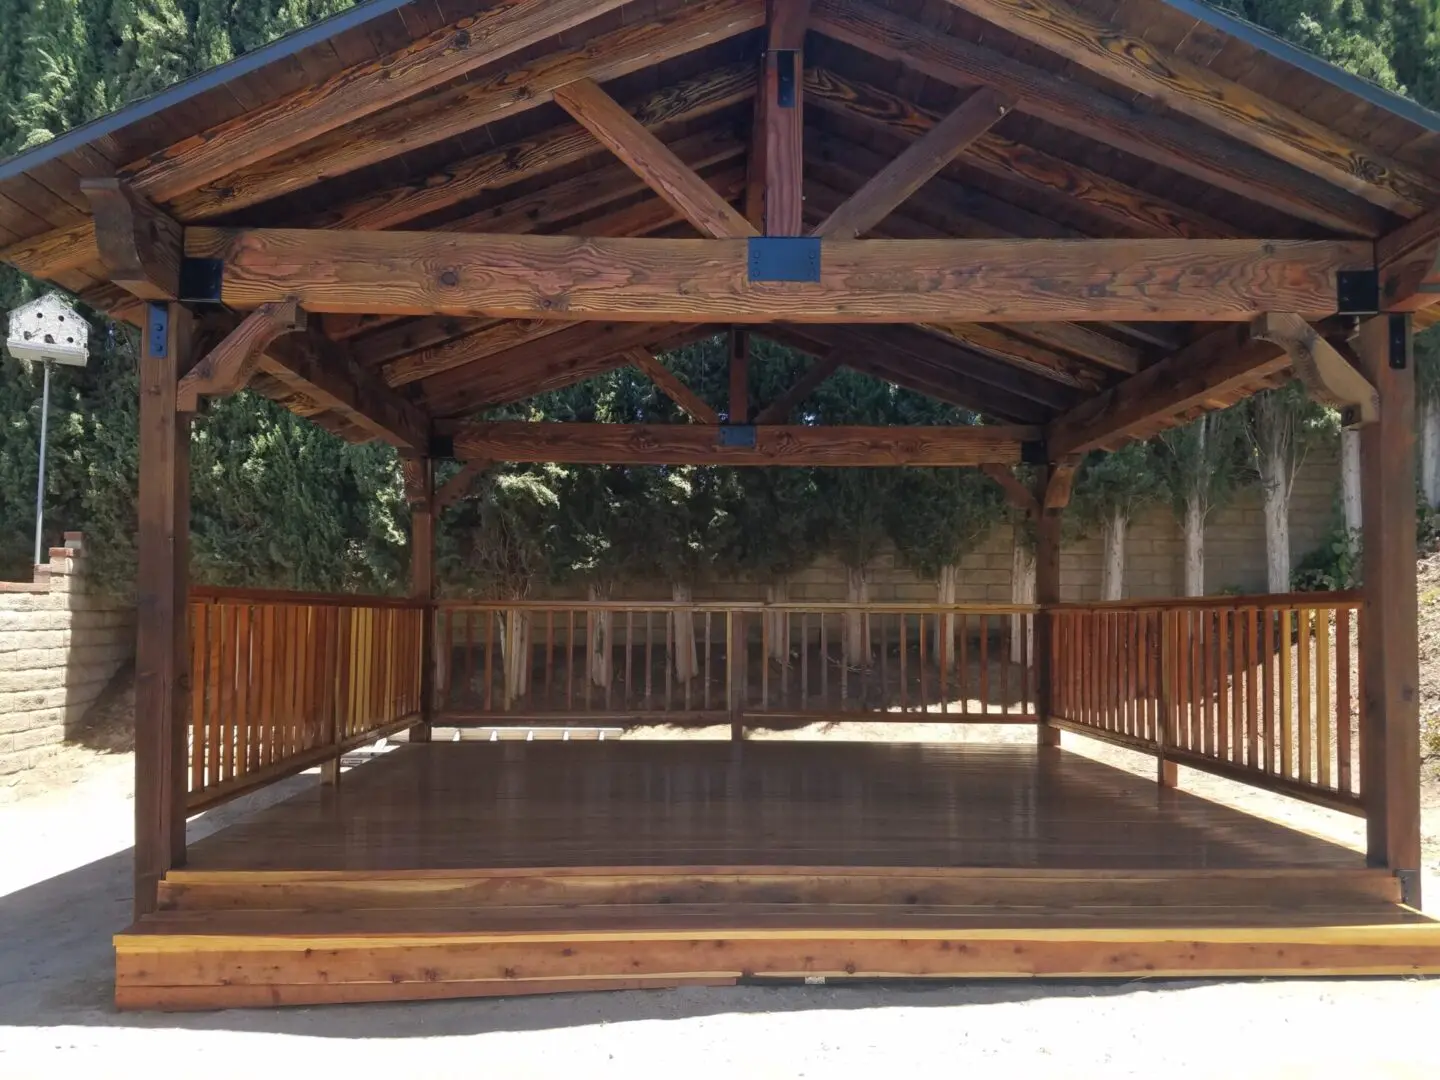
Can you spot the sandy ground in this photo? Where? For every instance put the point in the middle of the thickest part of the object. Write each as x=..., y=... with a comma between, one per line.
x=64, y=888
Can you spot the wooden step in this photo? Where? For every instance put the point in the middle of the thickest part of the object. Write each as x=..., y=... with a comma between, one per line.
x=1296, y=889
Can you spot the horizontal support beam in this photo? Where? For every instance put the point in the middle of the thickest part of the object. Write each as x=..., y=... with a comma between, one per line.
x=662, y=280
x=694, y=444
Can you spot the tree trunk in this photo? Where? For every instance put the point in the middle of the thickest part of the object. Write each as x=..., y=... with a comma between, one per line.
x=1022, y=591
x=944, y=639
x=857, y=623
x=1350, y=480
x=1194, y=526
x=1112, y=577
x=515, y=654
x=777, y=623
x=598, y=629
x=686, y=659
x=1275, y=485
x=1430, y=452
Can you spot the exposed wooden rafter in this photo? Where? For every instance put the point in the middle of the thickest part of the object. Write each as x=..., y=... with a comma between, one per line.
x=707, y=280
x=1210, y=98
x=696, y=444
x=461, y=484
x=1228, y=164
x=779, y=410
x=357, y=91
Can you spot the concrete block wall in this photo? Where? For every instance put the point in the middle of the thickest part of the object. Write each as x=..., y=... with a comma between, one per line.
x=61, y=643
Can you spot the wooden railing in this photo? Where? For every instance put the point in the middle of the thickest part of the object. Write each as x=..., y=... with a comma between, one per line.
x=625, y=662
x=1264, y=689
x=282, y=681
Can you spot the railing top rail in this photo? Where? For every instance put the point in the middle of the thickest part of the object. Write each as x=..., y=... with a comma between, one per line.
x=1350, y=598
x=793, y=607
x=212, y=594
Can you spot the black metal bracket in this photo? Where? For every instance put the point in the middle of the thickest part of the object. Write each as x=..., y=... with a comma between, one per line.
x=1357, y=292
x=442, y=446
x=1033, y=453
x=1399, y=333
x=200, y=280
x=783, y=258
x=741, y=436
x=785, y=78
x=1409, y=886
x=157, y=328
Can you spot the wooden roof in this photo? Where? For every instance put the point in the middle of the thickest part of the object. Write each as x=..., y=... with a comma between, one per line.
x=1142, y=119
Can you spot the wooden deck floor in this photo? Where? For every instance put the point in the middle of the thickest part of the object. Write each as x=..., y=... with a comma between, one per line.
x=618, y=803
x=474, y=869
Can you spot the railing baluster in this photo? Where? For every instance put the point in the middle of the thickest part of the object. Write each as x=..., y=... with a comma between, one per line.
x=1287, y=688
x=1323, y=748
x=1303, y=717
x=1343, y=749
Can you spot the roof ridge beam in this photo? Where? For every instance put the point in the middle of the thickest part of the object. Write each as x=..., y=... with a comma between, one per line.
x=1111, y=52
x=1229, y=164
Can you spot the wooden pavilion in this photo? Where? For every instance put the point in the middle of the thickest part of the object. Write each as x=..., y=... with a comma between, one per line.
x=1084, y=219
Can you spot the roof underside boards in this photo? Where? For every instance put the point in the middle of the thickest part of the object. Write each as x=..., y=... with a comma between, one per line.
x=438, y=116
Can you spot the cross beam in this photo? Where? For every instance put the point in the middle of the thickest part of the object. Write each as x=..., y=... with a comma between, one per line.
x=664, y=280
x=695, y=444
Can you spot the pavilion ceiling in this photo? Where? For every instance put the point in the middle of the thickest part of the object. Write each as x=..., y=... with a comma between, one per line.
x=436, y=118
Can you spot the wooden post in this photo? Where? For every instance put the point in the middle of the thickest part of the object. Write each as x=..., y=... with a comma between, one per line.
x=739, y=411
x=1389, y=649
x=735, y=649
x=421, y=482
x=162, y=686
x=1167, y=773
x=1047, y=592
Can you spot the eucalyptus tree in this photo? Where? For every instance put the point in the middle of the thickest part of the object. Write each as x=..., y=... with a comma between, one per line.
x=1282, y=426
x=1202, y=464
x=1110, y=488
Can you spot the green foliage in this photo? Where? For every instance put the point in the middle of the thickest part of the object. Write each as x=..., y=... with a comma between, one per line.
x=1333, y=564
x=1116, y=484
x=1207, y=459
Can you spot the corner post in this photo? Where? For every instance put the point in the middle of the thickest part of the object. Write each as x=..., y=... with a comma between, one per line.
x=1047, y=592
x=1389, y=648
x=1167, y=773
x=420, y=490
x=162, y=683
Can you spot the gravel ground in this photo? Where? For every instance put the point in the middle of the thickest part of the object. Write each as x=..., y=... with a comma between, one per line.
x=64, y=888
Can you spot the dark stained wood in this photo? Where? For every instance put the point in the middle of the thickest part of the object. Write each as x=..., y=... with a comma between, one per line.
x=358, y=91
x=139, y=245
x=1209, y=367
x=738, y=411
x=1082, y=341
x=550, y=149
x=1023, y=353
x=685, y=444
x=162, y=660
x=1230, y=165
x=228, y=366
x=492, y=338
x=308, y=364
x=1129, y=209
x=921, y=160
x=1389, y=658
x=779, y=410
x=1328, y=376
x=460, y=484
x=420, y=493
x=1016, y=493
x=670, y=384
x=466, y=106
x=1210, y=98
x=651, y=160
x=775, y=197
x=861, y=280
x=1409, y=263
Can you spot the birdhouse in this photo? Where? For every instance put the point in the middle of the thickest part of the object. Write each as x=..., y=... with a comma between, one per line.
x=49, y=329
